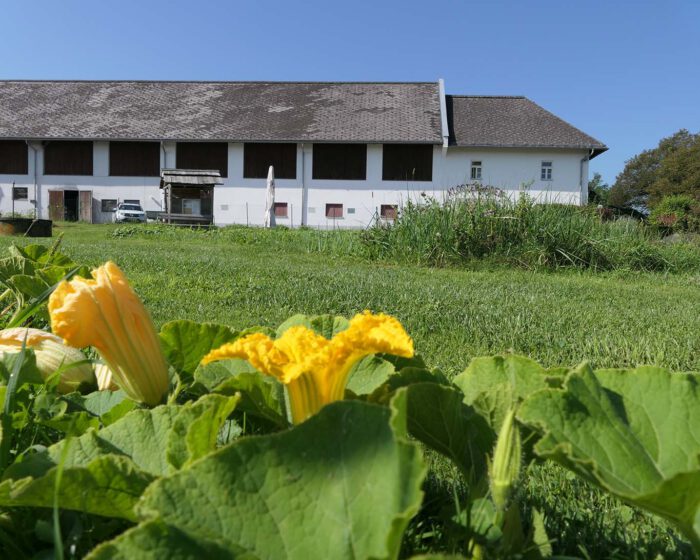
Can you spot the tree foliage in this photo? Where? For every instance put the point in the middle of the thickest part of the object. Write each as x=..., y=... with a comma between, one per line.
x=598, y=190
x=672, y=168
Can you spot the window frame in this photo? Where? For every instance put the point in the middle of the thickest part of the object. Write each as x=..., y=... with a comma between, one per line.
x=15, y=189
x=338, y=162
x=334, y=206
x=546, y=170
x=279, y=206
x=104, y=200
x=383, y=214
x=392, y=156
x=284, y=169
x=478, y=166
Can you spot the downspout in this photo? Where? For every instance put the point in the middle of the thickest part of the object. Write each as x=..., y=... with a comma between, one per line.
x=443, y=115
x=304, y=195
x=445, y=132
x=165, y=166
x=584, y=188
x=36, y=199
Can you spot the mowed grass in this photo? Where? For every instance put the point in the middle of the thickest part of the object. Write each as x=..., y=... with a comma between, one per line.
x=611, y=319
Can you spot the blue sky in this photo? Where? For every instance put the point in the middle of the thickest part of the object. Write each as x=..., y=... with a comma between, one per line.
x=626, y=72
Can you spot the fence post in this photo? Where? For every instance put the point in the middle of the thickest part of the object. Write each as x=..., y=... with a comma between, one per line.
x=246, y=215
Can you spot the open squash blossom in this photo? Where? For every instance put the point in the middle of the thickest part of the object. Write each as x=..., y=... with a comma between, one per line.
x=315, y=369
x=51, y=355
x=106, y=313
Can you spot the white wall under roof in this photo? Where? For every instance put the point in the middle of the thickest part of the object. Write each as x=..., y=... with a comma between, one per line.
x=241, y=201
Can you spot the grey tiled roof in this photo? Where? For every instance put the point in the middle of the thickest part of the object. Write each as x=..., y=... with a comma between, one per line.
x=233, y=111
x=511, y=122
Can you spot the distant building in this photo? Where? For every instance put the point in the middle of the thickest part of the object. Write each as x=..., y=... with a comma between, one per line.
x=343, y=153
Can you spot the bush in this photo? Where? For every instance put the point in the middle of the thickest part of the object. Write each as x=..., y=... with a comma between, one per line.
x=475, y=224
x=677, y=213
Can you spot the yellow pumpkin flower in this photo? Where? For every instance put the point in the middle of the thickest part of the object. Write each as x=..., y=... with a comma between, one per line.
x=51, y=355
x=314, y=369
x=106, y=313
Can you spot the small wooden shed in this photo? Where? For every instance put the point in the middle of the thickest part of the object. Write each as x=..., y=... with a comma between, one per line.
x=189, y=195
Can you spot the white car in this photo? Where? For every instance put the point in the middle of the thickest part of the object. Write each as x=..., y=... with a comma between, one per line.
x=128, y=212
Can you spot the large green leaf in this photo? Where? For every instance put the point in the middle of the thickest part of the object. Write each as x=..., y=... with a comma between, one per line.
x=495, y=384
x=343, y=484
x=325, y=325
x=108, y=485
x=154, y=540
x=635, y=433
x=157, y=440
x=368, y=374
x=438, y=418
x=196, y=428
x=185, y=343
x=261, y=395
x=214, y=374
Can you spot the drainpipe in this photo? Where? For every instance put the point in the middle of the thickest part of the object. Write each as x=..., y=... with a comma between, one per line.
x=36, y=199
x=162, y=191
x=304, y=194
x=584, y=188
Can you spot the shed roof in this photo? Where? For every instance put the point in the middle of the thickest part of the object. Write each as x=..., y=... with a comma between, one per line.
x=225, y=111
x=511, y=122
x=193, y=177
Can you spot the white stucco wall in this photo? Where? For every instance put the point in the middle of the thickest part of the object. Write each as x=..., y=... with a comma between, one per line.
x=241, y=201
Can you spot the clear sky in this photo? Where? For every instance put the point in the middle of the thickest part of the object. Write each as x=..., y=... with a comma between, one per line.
x=627, y=71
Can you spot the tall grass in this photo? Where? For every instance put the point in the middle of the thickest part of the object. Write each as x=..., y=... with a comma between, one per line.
x=484, y=224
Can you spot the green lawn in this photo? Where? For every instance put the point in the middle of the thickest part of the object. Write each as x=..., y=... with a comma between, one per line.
x=453, y=315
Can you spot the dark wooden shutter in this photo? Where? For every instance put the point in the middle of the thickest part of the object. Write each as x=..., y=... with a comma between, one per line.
x=14, y=157
x=134, y=159
x=68, y=158
x=203, y=155
x=407, y=162
x=340, y=161
x=257, y=159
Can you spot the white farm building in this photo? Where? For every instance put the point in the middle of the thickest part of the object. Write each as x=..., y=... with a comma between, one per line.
x=344, y=154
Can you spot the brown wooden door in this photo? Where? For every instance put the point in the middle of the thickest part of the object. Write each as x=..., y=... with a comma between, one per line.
x=85, y=207
x=56, y=210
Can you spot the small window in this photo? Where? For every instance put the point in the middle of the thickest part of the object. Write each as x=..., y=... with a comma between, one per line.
x=133, y=201
x=257, y=159
x=14, y=159
x=546, y=171
x=476, y=171
x=134, y=159
x=407, y=162
x=351, y=210
x=281, y=210
x=389, y=211
x=68, y=158
x=20, y=193
x=334, y=211
x=340, y=161
x=109, y=205
x=202, y=155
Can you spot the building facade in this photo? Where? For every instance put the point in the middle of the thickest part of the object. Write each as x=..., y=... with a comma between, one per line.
x=344, y=154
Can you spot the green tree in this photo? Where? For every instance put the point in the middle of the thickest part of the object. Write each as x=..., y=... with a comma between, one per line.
x=673, y=167
x=598, y=190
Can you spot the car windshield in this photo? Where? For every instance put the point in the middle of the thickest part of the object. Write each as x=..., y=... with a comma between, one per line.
x=130, y=207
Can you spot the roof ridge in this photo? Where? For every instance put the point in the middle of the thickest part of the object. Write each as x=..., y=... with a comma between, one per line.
x=487, y=96
x=81, y=81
